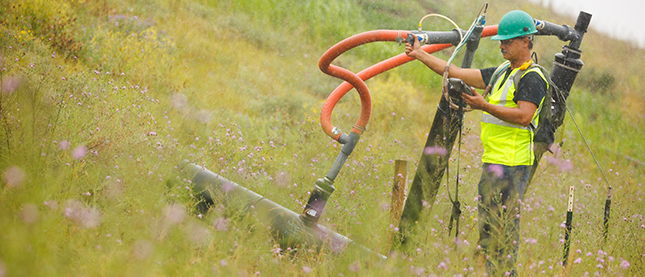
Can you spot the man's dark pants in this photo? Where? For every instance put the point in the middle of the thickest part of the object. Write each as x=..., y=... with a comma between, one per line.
x=501, y=189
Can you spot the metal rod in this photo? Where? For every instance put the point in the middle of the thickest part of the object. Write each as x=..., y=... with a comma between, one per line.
x=567, y=234
x=609, y=188
x=605, y=220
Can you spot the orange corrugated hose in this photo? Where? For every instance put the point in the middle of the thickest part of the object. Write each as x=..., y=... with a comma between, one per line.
x=353, y=80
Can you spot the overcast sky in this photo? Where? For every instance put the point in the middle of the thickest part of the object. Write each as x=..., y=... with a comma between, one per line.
x=624, y=19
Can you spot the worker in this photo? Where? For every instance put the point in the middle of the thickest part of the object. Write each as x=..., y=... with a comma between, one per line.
x=507, y=128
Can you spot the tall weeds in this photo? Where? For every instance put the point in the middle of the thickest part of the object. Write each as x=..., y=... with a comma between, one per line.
x=101, y=99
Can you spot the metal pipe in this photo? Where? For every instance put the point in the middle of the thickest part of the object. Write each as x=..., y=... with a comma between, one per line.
x=566, y=66
x=471, y=46
x=436, y=37
x=285, y=225
x=563, y=32
x=581, y=27
x=345, y=151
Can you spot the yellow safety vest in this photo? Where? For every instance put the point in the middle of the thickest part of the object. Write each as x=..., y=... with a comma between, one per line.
x=504, y=142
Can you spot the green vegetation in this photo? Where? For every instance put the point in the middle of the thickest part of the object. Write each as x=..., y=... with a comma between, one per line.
x=100, y=99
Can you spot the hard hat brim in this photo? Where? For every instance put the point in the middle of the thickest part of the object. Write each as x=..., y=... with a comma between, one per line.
x=505, y=37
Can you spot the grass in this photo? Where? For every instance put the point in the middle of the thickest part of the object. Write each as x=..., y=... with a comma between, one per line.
x=101, y=99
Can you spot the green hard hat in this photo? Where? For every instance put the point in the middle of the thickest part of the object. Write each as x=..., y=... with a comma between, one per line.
x=515, y=24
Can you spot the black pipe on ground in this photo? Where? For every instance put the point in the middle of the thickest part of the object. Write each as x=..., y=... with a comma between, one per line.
x=285, y=225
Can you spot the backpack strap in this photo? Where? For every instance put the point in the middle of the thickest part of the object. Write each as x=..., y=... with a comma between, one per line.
x=503, y=67
x=518, y=75
x=527, y=66
x=553, y=107
x=557, y=101
x=495, y=76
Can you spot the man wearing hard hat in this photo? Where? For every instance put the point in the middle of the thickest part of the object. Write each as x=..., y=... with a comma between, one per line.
x=510, y=116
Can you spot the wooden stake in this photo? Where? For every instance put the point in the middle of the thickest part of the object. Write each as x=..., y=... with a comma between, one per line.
x=398, y=198
x=398, y=190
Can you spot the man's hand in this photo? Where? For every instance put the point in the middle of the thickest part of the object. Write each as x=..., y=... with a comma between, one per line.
x=413, y=50
x=476, y=101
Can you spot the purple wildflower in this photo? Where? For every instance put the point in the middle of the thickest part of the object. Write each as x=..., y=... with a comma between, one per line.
x=220, y=224
x=29, y=213
x=3, y=269
x=355, y=267
x=179, y=101
x=53, y=204
x=82, y=215
x=64, y=145
x=577, y=261
x=13, y=177
x=10, y=84
x=435, y=150
x=79, y=152
x=175, y=213
x=497, y=169
x=142, y=249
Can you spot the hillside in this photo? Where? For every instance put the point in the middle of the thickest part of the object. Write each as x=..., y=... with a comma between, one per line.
x=101, y=99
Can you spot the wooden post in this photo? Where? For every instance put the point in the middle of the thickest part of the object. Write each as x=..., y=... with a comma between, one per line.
x=398, y=198
x=398, y=190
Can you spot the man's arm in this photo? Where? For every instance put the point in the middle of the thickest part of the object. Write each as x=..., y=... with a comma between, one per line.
x=521, y=115
x=470, y=76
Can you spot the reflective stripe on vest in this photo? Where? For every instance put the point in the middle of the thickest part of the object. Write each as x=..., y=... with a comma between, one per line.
x=504, y=142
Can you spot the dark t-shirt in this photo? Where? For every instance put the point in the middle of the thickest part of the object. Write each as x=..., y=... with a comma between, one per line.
x=532, y=87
